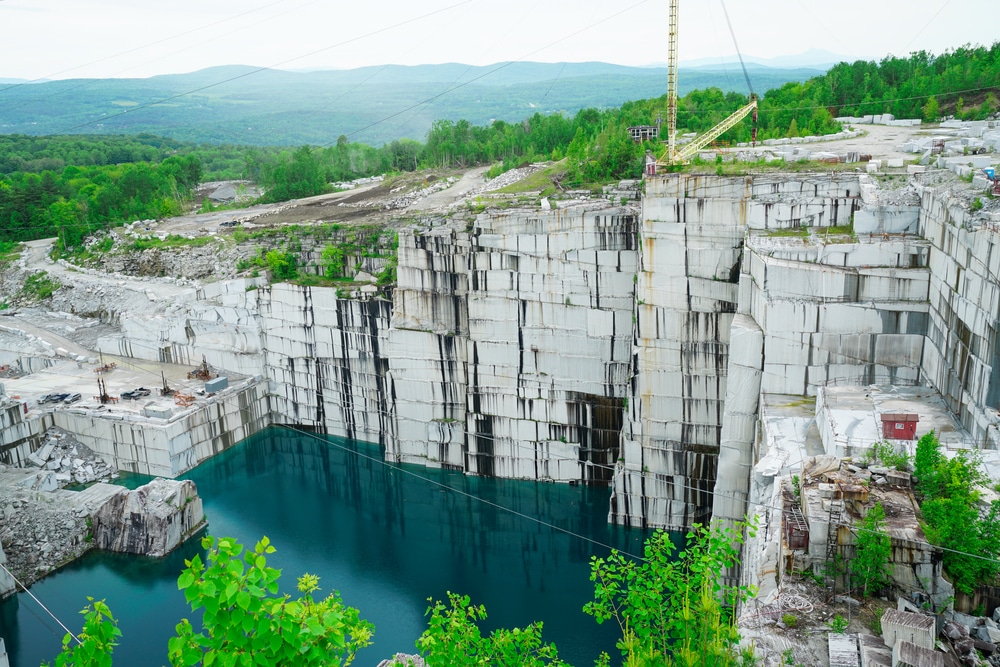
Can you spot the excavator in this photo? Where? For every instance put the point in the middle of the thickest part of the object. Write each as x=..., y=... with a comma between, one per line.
x=674, y=156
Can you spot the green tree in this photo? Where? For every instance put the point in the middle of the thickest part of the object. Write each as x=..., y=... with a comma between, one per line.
x=950, y=503
x=925, y=464
x=281, y=264
x=332, y=261
x=95, y=643
x=930, y=109
x=672, y=610
x=453, y=639
x=870, y=566
x=244, y=622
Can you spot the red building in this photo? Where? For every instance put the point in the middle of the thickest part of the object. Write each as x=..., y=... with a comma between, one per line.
x=900, y=426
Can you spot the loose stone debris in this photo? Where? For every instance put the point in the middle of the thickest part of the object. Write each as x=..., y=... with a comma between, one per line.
x=65, y=460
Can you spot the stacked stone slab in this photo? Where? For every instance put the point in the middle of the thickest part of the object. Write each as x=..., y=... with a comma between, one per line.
x=837, y=313
x=428, y=345
x=550, y=333
x=962, y=355
x=689, y=290
x=325, y=357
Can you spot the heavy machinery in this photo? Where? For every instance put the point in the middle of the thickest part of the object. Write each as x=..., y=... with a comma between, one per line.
x=675, y=156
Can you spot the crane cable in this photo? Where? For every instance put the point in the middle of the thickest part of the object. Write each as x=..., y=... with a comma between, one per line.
x=746, y=75
x=739, y=54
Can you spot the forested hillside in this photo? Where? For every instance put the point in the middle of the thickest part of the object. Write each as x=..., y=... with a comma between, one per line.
x=73, y=185
x=245, y=105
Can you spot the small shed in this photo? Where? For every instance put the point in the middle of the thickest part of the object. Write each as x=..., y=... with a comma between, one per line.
x=216, y=385
x=640, y=133
x=900, y=426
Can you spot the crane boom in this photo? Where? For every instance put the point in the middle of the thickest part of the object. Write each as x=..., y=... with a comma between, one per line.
x=689, y=149
x=673, y=156
x=672, y=81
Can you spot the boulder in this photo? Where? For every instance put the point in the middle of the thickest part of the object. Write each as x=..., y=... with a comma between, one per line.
x=152, y=520
x=952, y=630
x=986, y=634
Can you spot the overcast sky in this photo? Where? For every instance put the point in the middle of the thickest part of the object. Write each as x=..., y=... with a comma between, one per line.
x=136, y=38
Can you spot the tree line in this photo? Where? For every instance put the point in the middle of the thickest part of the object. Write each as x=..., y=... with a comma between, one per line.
x=70, y=185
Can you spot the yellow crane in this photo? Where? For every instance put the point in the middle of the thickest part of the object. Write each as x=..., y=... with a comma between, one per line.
x=674, y=156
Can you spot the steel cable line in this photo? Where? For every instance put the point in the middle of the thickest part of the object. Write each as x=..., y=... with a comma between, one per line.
x=147, y=45
x=87, y=83
x=732, y=32
x=274, y=65
x=927, y=25
x=643, y=474
x=381, y=69
x=492, y=71
x=40, y=604
x=460, y=492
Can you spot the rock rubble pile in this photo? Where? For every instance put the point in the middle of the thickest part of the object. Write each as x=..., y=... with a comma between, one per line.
x=65, y=460
x=39, y=532
x=972, y=636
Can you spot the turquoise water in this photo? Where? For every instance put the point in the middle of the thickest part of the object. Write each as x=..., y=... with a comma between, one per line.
x=386, y=539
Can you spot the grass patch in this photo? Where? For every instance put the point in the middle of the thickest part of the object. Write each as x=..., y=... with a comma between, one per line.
x=40, y=286
x=542, y=180
x=9, y=251
x=790, y=232
x=81, y=254
x=838, y=230
x=171, y=242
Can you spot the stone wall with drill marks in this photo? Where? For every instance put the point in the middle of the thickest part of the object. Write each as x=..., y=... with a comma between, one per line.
x=687, y=294
x=507, y=349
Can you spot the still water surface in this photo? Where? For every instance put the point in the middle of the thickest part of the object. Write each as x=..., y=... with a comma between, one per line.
x=386, y=539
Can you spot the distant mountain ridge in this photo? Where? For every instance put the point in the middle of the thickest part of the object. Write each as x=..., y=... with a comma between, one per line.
x=245, y=104
x=818, y=59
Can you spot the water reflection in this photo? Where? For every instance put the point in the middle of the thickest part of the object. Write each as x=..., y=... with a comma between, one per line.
x=387, y=537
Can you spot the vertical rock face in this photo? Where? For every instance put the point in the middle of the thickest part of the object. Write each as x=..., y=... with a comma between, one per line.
x=550, y=328
x=326, y=359
x=20, y=433
x=962, y=355
x=692, y=236
x=218, y=322
x=689, y=290
x=428, y=347
x=151, y=520
x=506, y=350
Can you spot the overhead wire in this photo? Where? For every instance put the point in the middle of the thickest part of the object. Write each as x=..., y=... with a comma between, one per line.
x=732, y=32
x=257, y=70
x=465, y=494
x=642, y=473
x=493, y=71
x=40, y=604
x=144, y=46
x=88, y=83
x=927, y=25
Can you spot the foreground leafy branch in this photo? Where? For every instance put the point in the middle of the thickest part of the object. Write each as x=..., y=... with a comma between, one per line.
x=244, y=623
x=673, y=611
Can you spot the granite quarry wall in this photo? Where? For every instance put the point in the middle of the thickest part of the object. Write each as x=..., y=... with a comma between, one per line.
x=506, y=349
x=596, y=343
